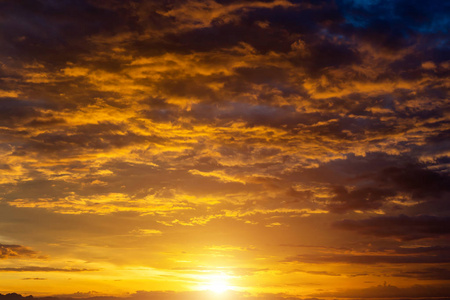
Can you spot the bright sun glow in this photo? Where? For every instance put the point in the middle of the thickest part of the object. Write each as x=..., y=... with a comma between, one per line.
x=218, y=284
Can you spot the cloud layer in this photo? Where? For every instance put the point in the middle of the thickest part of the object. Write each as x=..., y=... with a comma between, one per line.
x=275, y=142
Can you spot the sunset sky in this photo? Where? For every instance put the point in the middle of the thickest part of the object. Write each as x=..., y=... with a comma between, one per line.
x=180, y=149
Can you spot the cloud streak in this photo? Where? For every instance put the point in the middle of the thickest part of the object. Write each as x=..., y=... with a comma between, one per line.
x=401, y=227
x=16, y=251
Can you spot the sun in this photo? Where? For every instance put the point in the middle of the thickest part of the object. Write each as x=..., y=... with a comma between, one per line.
x=218, y=287
x=218, y=284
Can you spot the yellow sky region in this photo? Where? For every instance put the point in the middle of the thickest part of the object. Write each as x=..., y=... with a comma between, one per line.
x=119, y=281
x=297, y=279
x=190, y=257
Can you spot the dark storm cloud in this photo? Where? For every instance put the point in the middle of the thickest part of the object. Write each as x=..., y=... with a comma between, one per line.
x=252, y=115
x=372, y=182
x=16, y=251
x=418, y=250
x=38, y=30
x=377, y=255
x=249, y=26
x=14, y=112
x=101, y=136
x=400, y=227
x=365, y=259
x=417, y=180
x=326, y=273
x=360, y=199
x=426, y=274
x=326, y=124
x=205, y=39
x=39, y=186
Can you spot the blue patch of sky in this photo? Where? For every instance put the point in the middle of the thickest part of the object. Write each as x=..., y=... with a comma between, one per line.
x=434, y=14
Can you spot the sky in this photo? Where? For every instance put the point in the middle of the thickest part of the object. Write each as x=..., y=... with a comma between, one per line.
x=261, y=150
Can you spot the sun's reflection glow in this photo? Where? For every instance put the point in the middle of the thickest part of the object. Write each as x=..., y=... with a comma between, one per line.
x=217, y=284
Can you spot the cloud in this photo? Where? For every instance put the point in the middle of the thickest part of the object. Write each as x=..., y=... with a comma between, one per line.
x=375, y=255
x=324, y=273
x=359, y=199
x=400, y=227
x=369, y=259
x=426, y=274
x=44, y=269
x=150, y=131
x=14, y=111
x=42, y=33
x=390, y=291
x=16, y=251
x=418, y=181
